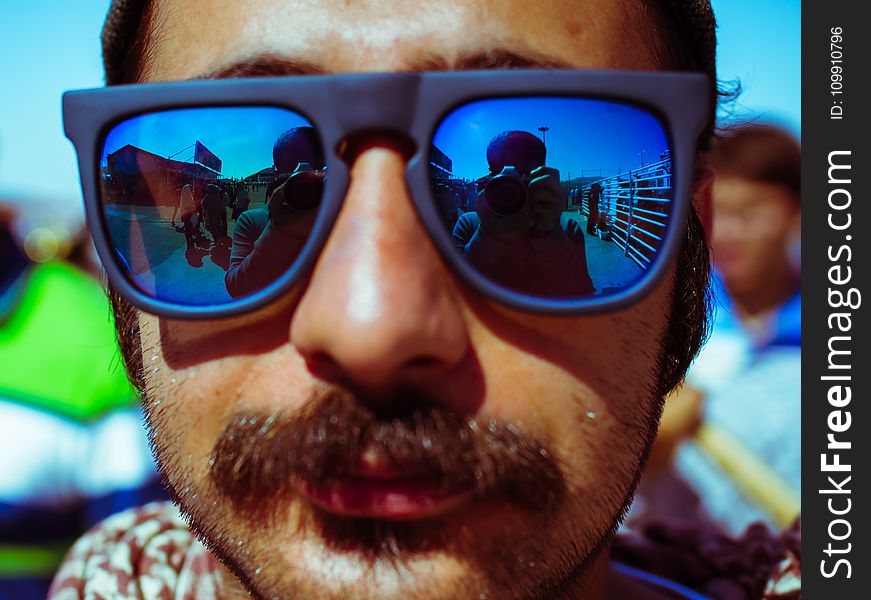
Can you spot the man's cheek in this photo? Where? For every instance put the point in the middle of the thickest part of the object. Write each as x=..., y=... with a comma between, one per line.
x=185, y=408
x=187, y=343
x=539, y=397
x=218, y=390
x=532, y=398
x=188, y=407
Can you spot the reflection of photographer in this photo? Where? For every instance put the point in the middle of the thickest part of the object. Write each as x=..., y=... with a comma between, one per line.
x=293, y=204
x=266, y=240
x=503, y=204
x=516, y=235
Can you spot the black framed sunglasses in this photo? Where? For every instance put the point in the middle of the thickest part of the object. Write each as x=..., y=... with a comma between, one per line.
x=560, y=192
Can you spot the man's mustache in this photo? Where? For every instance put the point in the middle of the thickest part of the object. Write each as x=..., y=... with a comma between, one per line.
x=258, y=455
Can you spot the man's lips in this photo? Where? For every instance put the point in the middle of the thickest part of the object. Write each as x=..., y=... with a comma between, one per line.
x=400, y=494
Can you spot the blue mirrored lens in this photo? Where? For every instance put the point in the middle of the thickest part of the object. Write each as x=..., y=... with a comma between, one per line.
x=206, y=205
x=554, y=197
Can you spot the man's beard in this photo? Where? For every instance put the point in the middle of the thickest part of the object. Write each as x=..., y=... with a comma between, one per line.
x=249, y=489
x=247, y=494
x=258, y=457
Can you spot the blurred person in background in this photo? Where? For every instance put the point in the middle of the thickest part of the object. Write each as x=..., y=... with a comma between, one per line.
x=757, y=235
x=741, y=403
x=72, y=447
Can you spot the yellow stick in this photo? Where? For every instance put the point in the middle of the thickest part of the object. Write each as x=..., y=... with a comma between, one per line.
x=750, y=474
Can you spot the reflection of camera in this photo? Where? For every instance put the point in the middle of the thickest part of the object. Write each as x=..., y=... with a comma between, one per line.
x=506, y=193
x=304, y=189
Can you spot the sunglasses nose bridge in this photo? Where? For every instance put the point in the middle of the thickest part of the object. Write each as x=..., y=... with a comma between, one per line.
x=386, y=103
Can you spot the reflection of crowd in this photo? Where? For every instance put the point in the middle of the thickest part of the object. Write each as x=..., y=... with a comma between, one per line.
x=203, y=205
x=453, y=199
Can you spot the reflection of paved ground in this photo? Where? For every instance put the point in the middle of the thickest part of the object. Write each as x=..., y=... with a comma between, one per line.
x=158, y=258
x=258, y=196
x=608, y=267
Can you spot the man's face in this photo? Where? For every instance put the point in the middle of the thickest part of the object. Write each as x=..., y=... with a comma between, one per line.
x=367, y=381
x=754, y=223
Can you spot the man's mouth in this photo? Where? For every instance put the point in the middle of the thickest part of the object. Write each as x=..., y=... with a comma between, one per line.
x=356, y=467
x=377, y=489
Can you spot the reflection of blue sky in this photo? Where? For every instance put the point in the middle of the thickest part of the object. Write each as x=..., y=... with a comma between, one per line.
x=584, y=135
x=242, y=137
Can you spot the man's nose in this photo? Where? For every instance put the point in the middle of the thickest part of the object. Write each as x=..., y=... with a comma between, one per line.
x=380, y=307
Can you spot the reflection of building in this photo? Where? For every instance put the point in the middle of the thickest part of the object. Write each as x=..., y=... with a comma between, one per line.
x=136, y=176
x=441, y=167
x=267, y=175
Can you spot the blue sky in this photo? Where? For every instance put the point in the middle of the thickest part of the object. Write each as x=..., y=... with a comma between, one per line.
x=760, y=45
x=54, y=46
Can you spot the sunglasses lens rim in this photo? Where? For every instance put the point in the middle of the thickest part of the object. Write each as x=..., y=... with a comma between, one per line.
x=246, y=125
x=565, y=301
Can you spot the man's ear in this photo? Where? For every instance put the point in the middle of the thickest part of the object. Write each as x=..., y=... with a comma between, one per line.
x=703, y=183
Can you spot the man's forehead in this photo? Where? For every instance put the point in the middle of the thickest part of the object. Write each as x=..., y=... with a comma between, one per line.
x=206, y=38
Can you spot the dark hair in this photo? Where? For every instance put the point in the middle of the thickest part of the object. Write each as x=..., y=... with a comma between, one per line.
x=761, y=153
x=297, y=145
x=513, y=148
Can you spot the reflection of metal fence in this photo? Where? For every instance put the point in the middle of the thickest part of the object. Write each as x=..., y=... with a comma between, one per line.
x=634, y=208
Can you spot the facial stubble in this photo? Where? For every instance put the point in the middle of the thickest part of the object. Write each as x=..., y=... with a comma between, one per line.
x=258, y=454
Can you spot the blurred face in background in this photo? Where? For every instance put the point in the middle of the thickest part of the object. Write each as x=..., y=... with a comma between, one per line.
x=755, y=224
x=382, y=344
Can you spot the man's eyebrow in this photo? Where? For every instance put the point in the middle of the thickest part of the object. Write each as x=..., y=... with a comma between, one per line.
x=269, y=65
x=503, y=58
x=264, y=65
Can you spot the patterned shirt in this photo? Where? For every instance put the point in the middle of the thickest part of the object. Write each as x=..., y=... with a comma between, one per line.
x=146, y=552
x=150, y=553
